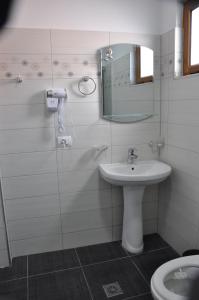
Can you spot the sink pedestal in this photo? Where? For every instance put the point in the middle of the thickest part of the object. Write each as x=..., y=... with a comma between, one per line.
x=132, y=235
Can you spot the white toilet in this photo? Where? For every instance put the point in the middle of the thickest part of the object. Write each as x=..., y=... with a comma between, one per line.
x=174, y=279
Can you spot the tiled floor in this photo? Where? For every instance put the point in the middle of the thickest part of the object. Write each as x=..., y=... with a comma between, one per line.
x=87, y=273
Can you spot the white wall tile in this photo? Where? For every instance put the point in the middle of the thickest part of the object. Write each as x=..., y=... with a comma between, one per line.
x=27, y=92
x=132, y=134
x=78, y=42
x=36, y=245
x=150, y=195
x=178, y=196
x=85, y=136
x=151, y=41
x=184, y=88
x=68, y=70
x=85, y=113
x=186, y=184
x=117, y=196
x=4, y=261
x=120, y=153
x=88, y=237
x=30, y=186
x=25, y=41
x=183, y=136
x=117, y=233
x=150, y=210
x=174, y=238
x=34, y=227
x=164, y=43
x=25, y=116
x=184, y=112
x=28, y=163
x=164, y=111
x=27, y=140
x=1, y=213
x=118, y=215
x=32, y=207
x=86, y=220
x=73, y=92
x=75, y=181
x=149, y=226
x=82, y=159
x=34, y=193
x=178, y=158
x=3, y=244
x=33, y=66
x=59, y=60
x=164, y=89
x=86, y=200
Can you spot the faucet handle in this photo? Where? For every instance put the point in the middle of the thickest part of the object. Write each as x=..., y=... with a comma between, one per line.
x=132, y=150
x=131, y=154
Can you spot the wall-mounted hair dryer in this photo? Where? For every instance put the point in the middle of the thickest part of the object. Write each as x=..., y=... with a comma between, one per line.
x=55, y=102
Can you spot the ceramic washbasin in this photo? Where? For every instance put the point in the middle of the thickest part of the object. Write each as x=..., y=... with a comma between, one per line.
x=134, y=178
x=139, y=173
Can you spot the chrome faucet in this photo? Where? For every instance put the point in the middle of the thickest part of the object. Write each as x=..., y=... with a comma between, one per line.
x=131, y=155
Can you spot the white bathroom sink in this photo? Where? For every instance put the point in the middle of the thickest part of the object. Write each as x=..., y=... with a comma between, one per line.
x=139, y=173
x=134, y=178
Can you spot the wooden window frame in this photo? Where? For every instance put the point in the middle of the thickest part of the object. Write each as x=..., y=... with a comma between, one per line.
x=189, y=6
x=140, y=79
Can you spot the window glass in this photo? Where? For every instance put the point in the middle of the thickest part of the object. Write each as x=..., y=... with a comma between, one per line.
x=195, y=37
x=146, y=56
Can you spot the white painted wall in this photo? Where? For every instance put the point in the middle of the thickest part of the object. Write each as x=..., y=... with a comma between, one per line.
x=104, y=15
x=171, y=15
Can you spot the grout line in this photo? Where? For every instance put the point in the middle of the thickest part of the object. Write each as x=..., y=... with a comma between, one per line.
x=25, y=128
x=76, y=253
x=51, y=235
x=59, y=198
x=14, y=279
x=139, y=271
x=91, y=264
x=54, y=271
x=82, y=269
x=55, y=194
x=150, y=251
x=28, y=175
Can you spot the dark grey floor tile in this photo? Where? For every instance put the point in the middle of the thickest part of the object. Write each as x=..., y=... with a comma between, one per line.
x=17, y=270
x=62, y=285
x=142, y=297
x=153, y=242
x=13, y=290
x=101, y=252
x=120, y=271
x=149, y=262
x=52, y=261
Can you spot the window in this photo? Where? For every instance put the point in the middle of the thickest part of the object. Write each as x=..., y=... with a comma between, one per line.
x=144, y=64
x=191, y=37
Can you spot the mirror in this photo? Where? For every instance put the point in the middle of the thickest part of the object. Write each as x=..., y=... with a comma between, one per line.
x=127, y=82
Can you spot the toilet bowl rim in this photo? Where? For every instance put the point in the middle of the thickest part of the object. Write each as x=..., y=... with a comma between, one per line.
x=157, y=280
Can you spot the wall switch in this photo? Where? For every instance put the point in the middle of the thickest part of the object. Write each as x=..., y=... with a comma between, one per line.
x=66, y=140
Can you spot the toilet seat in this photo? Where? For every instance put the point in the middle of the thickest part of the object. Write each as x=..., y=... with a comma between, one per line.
x=158, y=288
